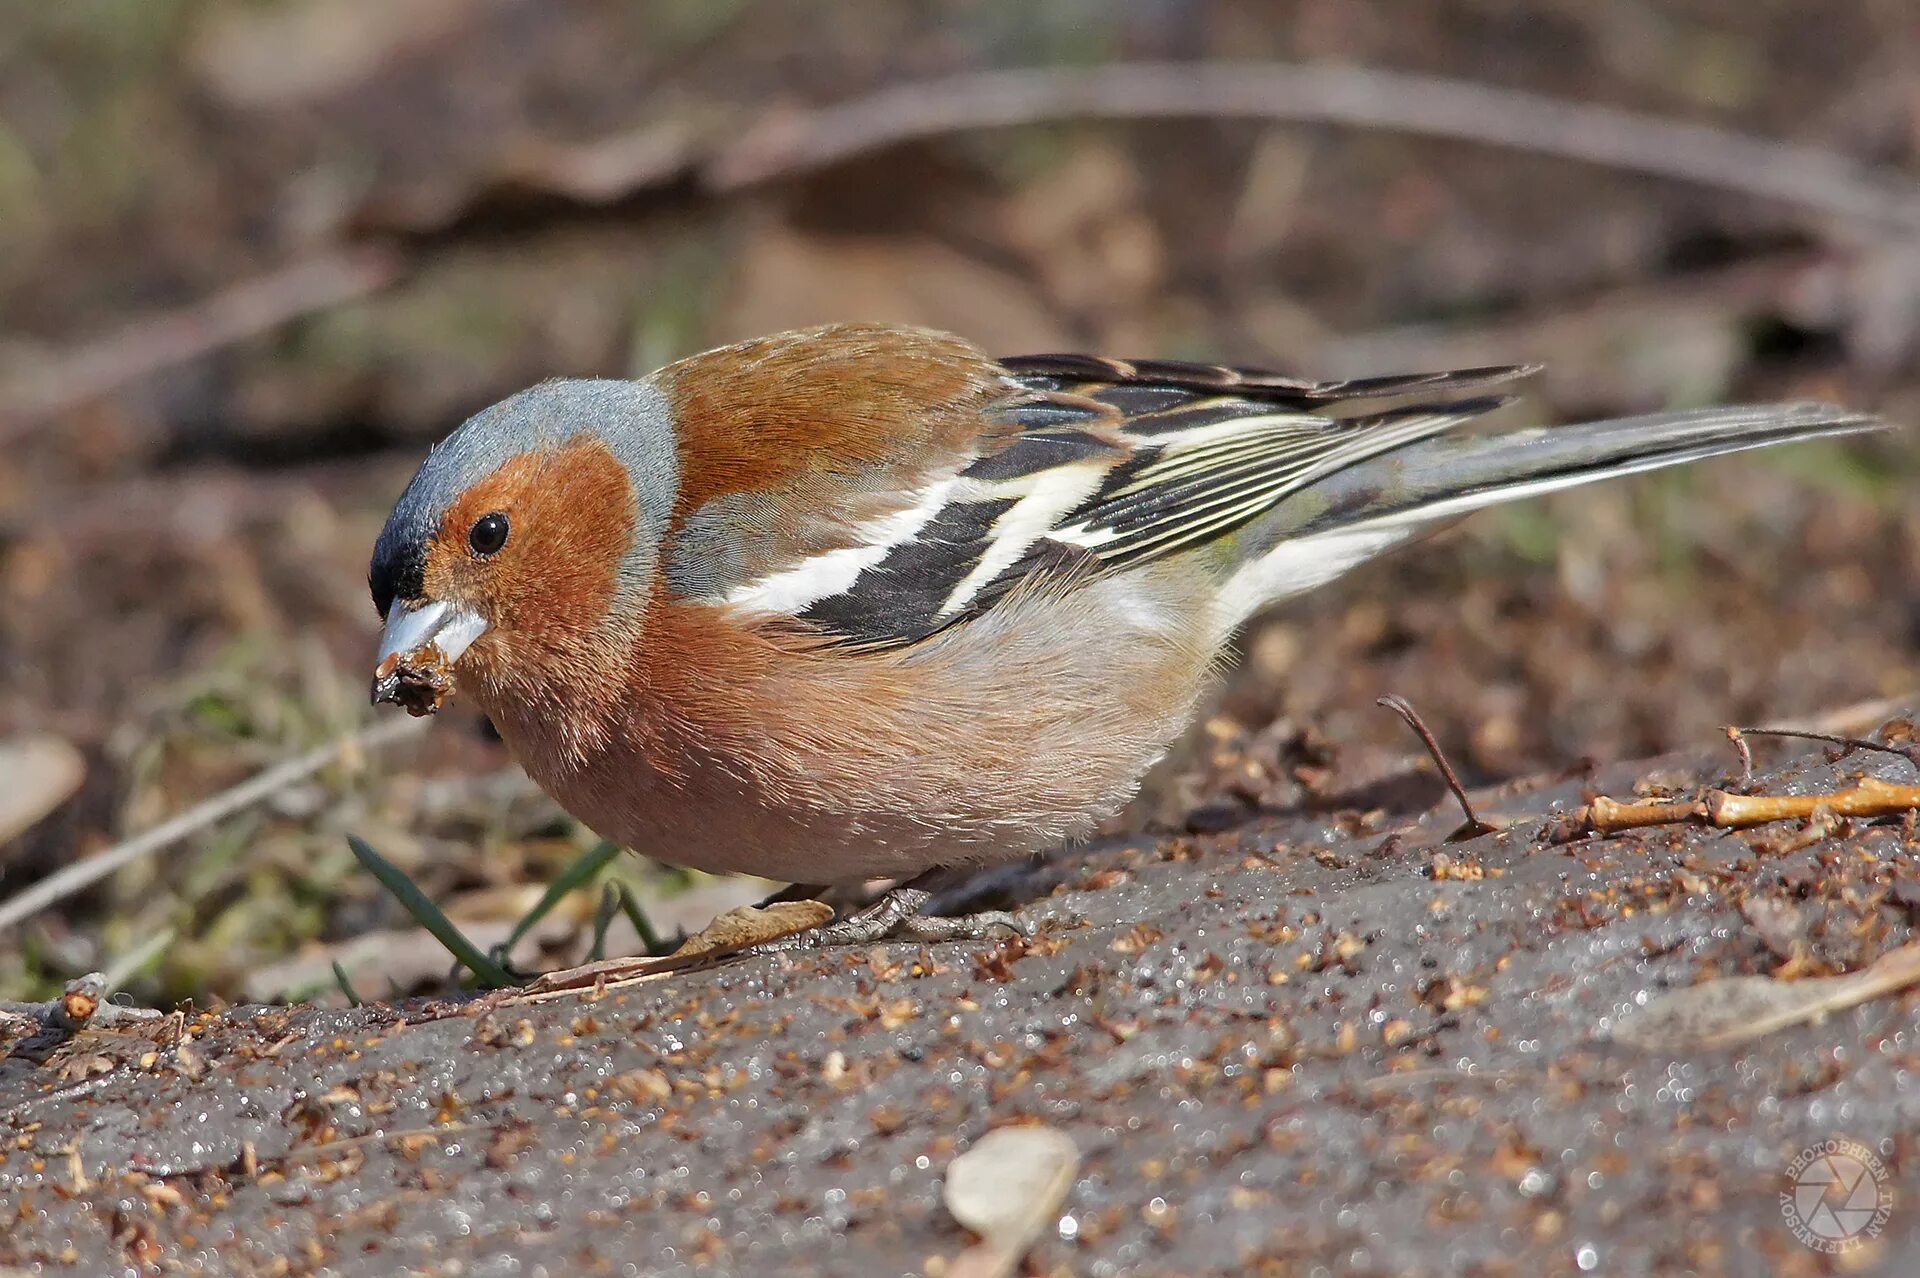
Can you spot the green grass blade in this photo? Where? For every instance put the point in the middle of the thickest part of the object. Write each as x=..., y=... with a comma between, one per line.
x=577, y=875
x=642, y=927
x=346, y=986
x=602, y=920
x=428, y=915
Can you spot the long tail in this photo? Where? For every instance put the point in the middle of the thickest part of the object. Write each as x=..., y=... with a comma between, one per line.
x=1384, y=501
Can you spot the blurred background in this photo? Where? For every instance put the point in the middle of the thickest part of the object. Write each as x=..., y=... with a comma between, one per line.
x=255, y=257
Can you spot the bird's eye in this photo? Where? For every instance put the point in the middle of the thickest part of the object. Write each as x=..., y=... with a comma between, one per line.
x=488, y=534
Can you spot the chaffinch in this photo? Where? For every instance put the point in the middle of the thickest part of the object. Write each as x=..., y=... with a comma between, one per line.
x=862, y=602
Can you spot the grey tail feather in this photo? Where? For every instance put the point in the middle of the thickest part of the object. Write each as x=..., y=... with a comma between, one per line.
x=1448, y=476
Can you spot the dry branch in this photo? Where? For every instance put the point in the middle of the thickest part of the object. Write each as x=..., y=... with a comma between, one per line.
x=1810, y=178
x=155, y=342
x=262, y=785
x=83, y=1003
x=1867, y=797
x=790, y=143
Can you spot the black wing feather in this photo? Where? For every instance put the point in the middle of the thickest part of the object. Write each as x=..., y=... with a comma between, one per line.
x=1177, y=474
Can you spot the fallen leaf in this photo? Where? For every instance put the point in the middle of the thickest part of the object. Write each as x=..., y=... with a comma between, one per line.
x=1740, y=1009
x=42, y=772
x=750, y=925
x=1008, y=1188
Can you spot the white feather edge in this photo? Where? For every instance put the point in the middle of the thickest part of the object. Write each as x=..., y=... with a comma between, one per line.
x=1292, y=568
x=1040, y=500
x=792, y=590
x=1048, y=495
x=1305, y=563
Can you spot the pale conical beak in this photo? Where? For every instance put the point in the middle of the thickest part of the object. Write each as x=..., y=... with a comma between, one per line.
x=421, y=642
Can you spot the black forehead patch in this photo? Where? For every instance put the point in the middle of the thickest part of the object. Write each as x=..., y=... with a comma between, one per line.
x=399, y=567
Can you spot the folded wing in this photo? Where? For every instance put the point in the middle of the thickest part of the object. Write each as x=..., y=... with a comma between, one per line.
x=1085, y=464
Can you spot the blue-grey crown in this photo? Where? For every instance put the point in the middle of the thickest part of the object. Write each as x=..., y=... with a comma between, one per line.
x=631, y=417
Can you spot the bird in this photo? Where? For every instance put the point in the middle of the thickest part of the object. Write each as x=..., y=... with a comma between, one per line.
x=862, y=602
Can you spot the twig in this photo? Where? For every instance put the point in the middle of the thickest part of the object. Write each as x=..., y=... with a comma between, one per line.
x=1439, y=1074
x=1867, y=797
x=1911, y=753
x=1858, y=716
x=83, y=874
x=195, y=505
x=82, y=1003
x=1474, y=826
x=791, y=143
x=83, y=998
x=1580, y=335
x=199, y=328
x=1808, y=177
x=740, y=929
x=1737, y=738
x=1610, y=816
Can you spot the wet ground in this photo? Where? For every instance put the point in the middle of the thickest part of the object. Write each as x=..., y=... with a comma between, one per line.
x=1286, y=1038
x=449, y=205
x=1309, y=1043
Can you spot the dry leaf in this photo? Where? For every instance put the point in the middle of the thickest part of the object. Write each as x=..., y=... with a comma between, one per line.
x=750, y=925
x=1008, y=1189
x=41, y=773
x=1740, y=1009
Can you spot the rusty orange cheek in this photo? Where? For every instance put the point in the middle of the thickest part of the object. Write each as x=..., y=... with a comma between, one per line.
x=571, y=511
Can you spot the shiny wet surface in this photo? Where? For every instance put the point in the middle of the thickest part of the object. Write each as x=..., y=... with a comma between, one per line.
x=1302, y=1042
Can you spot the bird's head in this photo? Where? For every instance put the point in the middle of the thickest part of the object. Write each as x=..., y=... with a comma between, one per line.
x=527, y=543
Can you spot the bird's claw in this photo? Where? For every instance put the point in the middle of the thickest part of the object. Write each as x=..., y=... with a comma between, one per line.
x=896, y=914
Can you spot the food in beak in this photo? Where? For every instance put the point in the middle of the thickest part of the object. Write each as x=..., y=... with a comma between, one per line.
x=417, y=652
x=419, y=681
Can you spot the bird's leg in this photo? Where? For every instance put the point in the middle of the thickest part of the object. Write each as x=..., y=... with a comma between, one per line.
x=794, y=892
x=898, y=914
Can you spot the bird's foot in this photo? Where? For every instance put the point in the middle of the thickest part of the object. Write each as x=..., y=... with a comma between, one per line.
x=896, y=914
x=734, y=935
